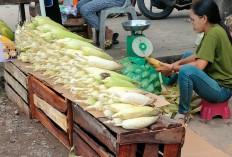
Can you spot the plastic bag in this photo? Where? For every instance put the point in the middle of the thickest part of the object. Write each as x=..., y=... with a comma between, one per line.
x=67, y=10
x=138, y=69
x=48, y=3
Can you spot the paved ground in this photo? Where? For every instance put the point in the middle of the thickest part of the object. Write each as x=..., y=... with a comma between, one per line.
x=170, y=37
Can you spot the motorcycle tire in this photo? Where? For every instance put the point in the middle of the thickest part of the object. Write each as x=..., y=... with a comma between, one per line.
x=154, y=16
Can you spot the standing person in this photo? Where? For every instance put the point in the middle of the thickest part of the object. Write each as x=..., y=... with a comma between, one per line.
x=89, y=8
x=53, y=10
x=208, y=72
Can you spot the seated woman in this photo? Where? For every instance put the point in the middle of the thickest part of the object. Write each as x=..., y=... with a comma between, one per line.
x=89, y=8
x=208, y=72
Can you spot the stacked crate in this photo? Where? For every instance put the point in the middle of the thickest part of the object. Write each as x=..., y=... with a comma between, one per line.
x=52, y=110
x=16, y=86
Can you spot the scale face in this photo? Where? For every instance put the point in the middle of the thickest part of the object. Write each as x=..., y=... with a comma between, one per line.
x=142, y=46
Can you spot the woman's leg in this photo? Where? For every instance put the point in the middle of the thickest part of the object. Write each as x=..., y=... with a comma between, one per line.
x=90, y=9
x=192, y=78
x=80, y=4
x=174, y=77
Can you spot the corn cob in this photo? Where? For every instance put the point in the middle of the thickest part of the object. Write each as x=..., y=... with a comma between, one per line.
x=154, y=62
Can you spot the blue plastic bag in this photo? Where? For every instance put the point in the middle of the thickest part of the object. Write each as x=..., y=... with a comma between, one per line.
x=48, y=3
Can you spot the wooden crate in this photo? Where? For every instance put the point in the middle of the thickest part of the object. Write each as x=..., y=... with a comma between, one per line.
x=51, y=109
x=91, y=137
x=16, y=86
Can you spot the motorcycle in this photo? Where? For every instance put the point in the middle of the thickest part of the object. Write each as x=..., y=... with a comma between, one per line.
x=160, y=9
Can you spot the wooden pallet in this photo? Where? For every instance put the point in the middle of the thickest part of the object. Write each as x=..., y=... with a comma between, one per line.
x=91, y=137
x=16, y=86
x=52, y=110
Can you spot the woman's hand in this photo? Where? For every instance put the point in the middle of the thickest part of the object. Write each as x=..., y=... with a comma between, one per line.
x=165, y=69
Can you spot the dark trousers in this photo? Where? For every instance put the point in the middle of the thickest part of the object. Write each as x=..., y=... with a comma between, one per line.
x=54, y=12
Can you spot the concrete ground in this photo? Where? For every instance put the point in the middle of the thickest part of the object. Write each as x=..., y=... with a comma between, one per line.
x=170, y=37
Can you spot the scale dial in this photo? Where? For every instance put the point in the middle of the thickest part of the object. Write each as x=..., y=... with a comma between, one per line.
x=142, y=46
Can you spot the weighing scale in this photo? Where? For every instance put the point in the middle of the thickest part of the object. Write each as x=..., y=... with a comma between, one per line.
x=137, y=43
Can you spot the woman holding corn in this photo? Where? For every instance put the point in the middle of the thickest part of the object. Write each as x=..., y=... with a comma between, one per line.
x=89, y=8
x=208, y=72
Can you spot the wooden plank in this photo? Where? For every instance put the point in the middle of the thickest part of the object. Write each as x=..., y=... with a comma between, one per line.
x=31, y=98
x=47, y=95
x=15, y=98
x=151, y=150
x=171, y=150
x=50, y=126
x=94, y=127
x=17, y=73
x=127, y=150
x=165, y=136
x=6, y=2
x=100, y=150
x=16, y=86
x=58, y=117
x=70, y=120
x=82, y=148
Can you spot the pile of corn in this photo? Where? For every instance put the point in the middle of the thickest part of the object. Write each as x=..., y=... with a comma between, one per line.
x=87, y=71
x=172, y=95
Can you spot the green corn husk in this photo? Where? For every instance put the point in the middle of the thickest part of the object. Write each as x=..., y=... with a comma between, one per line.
x=116, y=107
x=58, y=33
x=139, y=123
x=135, y=112
x=41, y=20
x=112, y=82
x=93, y=51
x=97, y=71
x=6, y=31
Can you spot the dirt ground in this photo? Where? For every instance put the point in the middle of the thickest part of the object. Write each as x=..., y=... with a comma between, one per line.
x=24, y=137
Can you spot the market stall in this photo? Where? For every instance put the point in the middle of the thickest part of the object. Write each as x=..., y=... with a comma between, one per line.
x=87, y=131
x=75, y=90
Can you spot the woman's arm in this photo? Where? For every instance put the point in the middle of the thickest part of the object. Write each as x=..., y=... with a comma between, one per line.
x=189, y=59
x=168, y=69
x=199, y=63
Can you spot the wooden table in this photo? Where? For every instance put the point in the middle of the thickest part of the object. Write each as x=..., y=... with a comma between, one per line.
x=21, y=6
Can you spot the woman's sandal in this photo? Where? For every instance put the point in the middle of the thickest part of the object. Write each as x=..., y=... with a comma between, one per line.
x=108, y=44
x=182, y=116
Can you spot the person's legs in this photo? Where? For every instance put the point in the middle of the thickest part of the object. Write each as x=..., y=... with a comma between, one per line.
x=80, y=4
x=90, y=9
x=191, y=78
x=54, y=12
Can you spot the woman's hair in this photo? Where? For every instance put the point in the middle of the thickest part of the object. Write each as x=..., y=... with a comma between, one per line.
x=210, y=9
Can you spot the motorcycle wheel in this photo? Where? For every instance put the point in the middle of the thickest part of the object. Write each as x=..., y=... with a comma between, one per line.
x=163, y=12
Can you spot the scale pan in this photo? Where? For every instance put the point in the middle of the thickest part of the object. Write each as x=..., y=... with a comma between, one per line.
x=136, y=25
